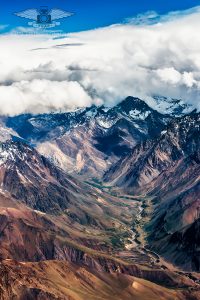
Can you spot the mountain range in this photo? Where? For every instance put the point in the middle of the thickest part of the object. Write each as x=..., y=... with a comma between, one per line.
x=100, y=202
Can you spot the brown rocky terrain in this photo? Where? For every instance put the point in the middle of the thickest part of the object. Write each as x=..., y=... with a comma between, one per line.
x=66, y=236
x=167, y=169
x=149, y=159
x=88, y=141
x=62, y=280
x=30, y=240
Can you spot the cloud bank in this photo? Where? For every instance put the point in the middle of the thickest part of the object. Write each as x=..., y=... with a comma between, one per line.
x=42, y=73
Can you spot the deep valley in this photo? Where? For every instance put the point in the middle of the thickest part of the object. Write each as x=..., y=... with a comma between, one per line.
x=101, y=203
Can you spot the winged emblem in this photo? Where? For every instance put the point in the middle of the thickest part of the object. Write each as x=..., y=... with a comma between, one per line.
x=44, y=17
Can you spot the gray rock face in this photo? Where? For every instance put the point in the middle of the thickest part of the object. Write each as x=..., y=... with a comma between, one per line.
x=131, y=146
x=167, y=169
x=89, y=140
x=30, y=177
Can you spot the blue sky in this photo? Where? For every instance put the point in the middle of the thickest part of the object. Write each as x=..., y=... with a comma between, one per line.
x=92, y=14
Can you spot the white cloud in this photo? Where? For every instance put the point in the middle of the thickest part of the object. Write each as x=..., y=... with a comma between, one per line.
x=169, y=75
x=44, y=73
x=39, y=96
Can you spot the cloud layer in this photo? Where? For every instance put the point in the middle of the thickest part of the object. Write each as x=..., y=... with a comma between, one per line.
x=42, y=73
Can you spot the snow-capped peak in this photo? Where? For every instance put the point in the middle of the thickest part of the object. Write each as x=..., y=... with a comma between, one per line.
x=171, y=106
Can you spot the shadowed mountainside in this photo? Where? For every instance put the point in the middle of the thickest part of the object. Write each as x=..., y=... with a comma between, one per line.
x=168, y=169
x=65, y=236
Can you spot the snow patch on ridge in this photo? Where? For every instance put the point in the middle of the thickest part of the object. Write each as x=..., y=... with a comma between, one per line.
x=136, y=114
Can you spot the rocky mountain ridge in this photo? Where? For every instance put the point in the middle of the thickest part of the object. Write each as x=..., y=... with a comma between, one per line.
x=167, y=169
x=112, y=192
x=88, y=141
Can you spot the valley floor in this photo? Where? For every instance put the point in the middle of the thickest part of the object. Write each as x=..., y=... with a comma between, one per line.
x=105, y=260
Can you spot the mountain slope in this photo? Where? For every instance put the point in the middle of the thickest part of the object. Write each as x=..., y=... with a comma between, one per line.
x=79, y=271
x=62, y=238
x=61, y=280
x=168, y=169
x=89, y=140
x=73, y=210
x=152, y=157
x=24, y=172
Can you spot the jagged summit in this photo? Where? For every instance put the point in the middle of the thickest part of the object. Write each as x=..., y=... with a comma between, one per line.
x=89, y=140
x=102, y=194
x=175, y=107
